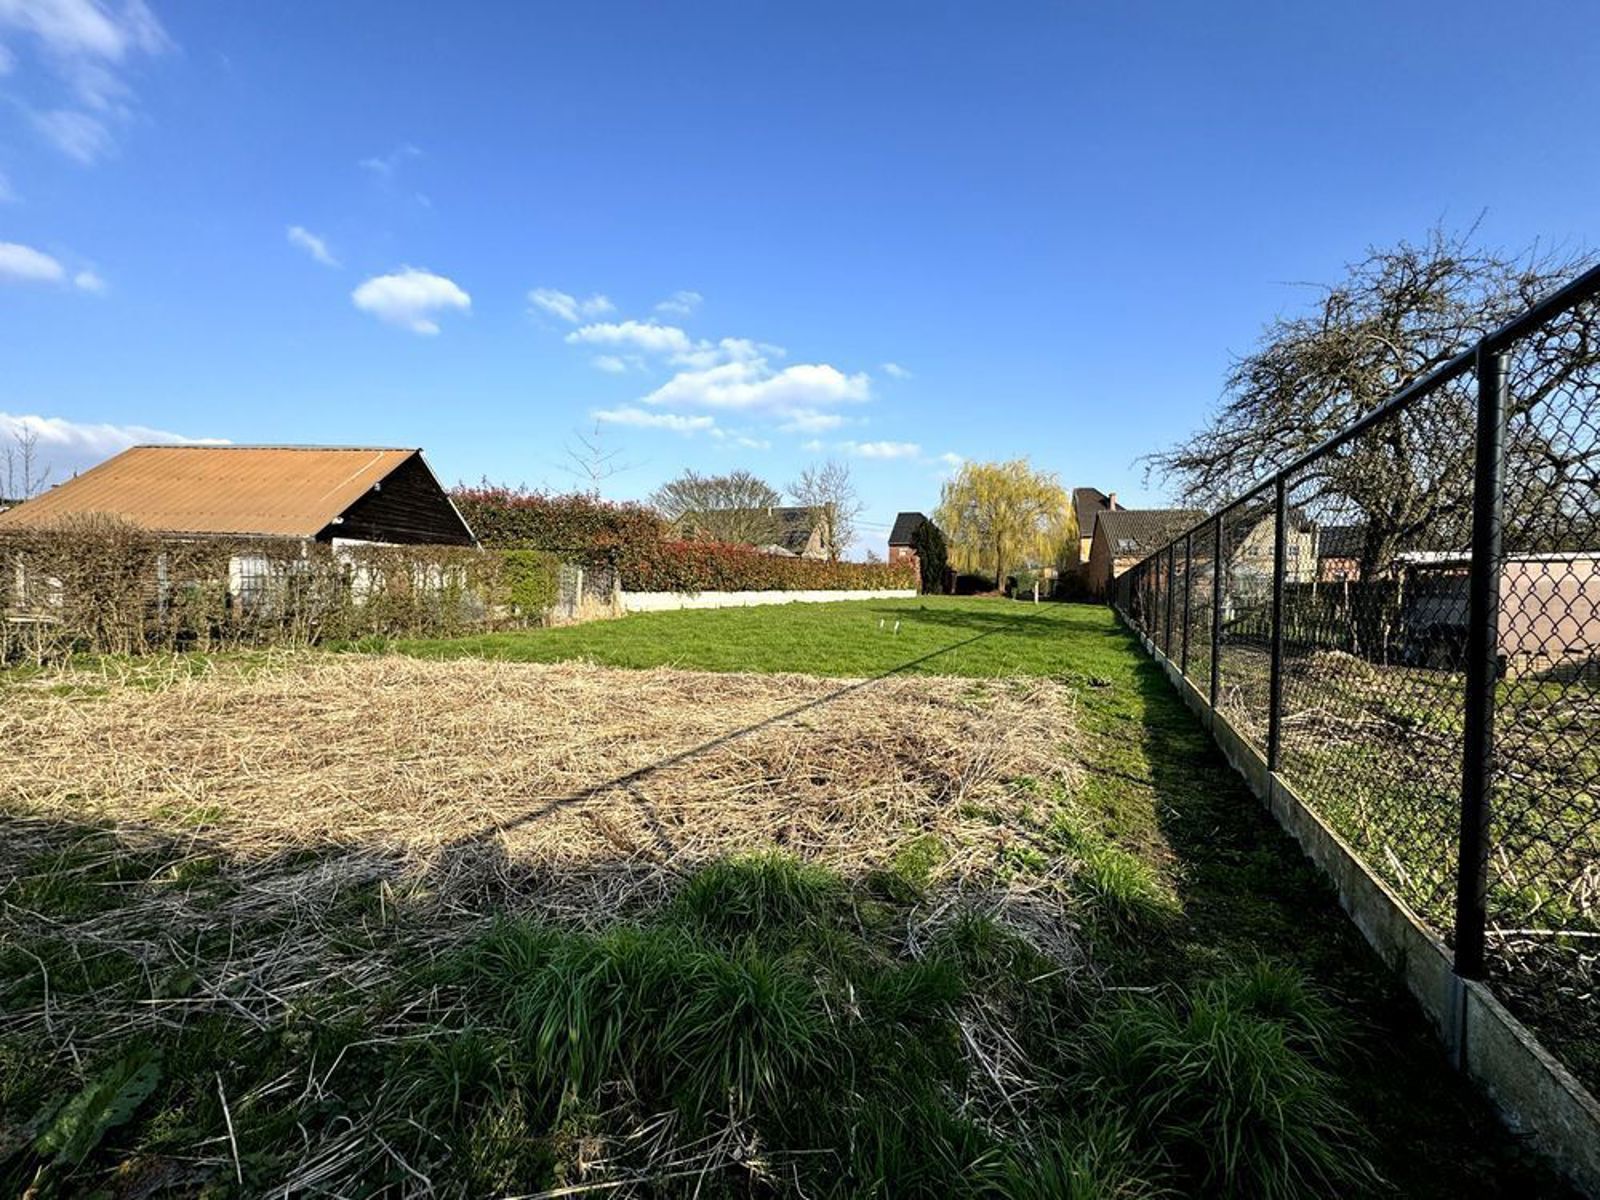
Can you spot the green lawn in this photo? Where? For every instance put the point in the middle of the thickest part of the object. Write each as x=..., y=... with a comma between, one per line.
x=935, y=636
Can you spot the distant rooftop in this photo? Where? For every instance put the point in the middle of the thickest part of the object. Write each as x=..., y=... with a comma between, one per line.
x=1142, y=530
x=905, y=528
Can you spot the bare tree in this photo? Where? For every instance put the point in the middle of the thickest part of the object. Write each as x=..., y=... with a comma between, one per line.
x=736, y=507
x=590, y=460
x=25, y=475
x=1397, y=316
x=829, y=492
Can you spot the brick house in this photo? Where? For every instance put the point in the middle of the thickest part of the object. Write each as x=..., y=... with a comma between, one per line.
x=1125, y=536
x=905, y=529
x=1087, y=504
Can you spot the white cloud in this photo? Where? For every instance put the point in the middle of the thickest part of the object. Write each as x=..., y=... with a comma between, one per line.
x=951, y=460
x=809, y=420
x=814, y=446
x=67, y=446
x=8, y=194
x=895, y=371
x=87, y=29
x=610, y=364
x=752, y=385
x=76, y=134
x=648, y=336
x=86, y=45
x=385, y=165
x=313, y=245
x=410, y=298
x=568, y=307
x=705, y=354
x=881, y=449
x=24, y=264
x=640, y=419
x=680, y=303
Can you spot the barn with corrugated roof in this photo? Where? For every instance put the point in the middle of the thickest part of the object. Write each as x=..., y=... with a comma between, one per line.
x=315, y=493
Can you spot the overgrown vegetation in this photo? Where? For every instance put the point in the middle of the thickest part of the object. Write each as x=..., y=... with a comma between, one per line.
x=1163, y=796
x=94, y=585
x=1097, y=1019
x=775, y=1026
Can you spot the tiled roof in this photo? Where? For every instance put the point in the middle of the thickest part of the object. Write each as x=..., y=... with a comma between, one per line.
x=1086, y=503
x=1143, y=530
x=906, y=525
x=1340, y=541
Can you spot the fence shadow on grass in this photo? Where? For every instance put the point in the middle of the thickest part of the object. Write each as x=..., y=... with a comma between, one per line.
x=628, y=781
x=1245, y=889
x=1010, y=617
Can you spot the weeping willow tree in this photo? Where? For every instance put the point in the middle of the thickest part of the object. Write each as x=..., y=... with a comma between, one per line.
x=1001, y=516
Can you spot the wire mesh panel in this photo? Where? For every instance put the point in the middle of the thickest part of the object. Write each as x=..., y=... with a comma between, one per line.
x=1202, y=577
x=1414, y=629
x=1244, y=650
x=1374, y=635
x=1543, y=896
x=1159, y=599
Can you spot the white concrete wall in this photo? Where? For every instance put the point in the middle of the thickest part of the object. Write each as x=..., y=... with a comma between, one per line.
x=669, y=601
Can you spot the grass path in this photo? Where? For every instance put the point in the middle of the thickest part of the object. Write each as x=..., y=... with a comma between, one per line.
x=1161, y=790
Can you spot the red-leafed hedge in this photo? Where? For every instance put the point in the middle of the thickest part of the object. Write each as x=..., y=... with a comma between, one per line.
x=638, y=542
x=578, y=527
x=718, y=567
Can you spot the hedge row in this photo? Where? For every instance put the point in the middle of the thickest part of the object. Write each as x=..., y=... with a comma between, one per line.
x=639, y=543
x=98, y=586
x=718, y=567
x=578, y=527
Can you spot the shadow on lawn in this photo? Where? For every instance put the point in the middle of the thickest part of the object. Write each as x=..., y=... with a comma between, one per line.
x=1010, y=617
x=1246, y=890
x=628, y=781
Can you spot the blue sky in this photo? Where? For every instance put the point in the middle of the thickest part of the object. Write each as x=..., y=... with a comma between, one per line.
x=734, y=234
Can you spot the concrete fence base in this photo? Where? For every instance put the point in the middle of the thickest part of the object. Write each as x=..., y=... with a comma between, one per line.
x=1536, y=1096
x=669, y=601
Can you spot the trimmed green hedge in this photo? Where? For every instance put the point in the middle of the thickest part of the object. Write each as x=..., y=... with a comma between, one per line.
x=718, y=567
x=529, y=581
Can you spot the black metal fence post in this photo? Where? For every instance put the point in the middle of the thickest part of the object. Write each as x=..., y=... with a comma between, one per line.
x=1216, y=616
x=1280, y=542
x=1167, y=571
x=1188, y=587
x=1483, y=668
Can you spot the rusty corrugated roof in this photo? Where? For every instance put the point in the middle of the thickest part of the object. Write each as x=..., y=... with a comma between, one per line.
x=269, y=491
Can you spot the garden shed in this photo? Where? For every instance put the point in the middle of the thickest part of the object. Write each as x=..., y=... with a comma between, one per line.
x=314, y=493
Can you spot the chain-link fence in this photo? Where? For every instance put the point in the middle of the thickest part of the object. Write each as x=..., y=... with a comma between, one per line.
x=1406, y=624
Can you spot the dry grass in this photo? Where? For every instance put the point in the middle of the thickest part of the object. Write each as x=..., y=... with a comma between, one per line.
x=453, y=792
x=605, y=784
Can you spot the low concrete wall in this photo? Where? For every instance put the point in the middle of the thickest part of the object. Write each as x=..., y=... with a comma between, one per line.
x=668, y=601
x=1536, y=1096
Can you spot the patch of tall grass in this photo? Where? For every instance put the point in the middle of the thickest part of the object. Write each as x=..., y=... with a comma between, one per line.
x=774, y=1031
